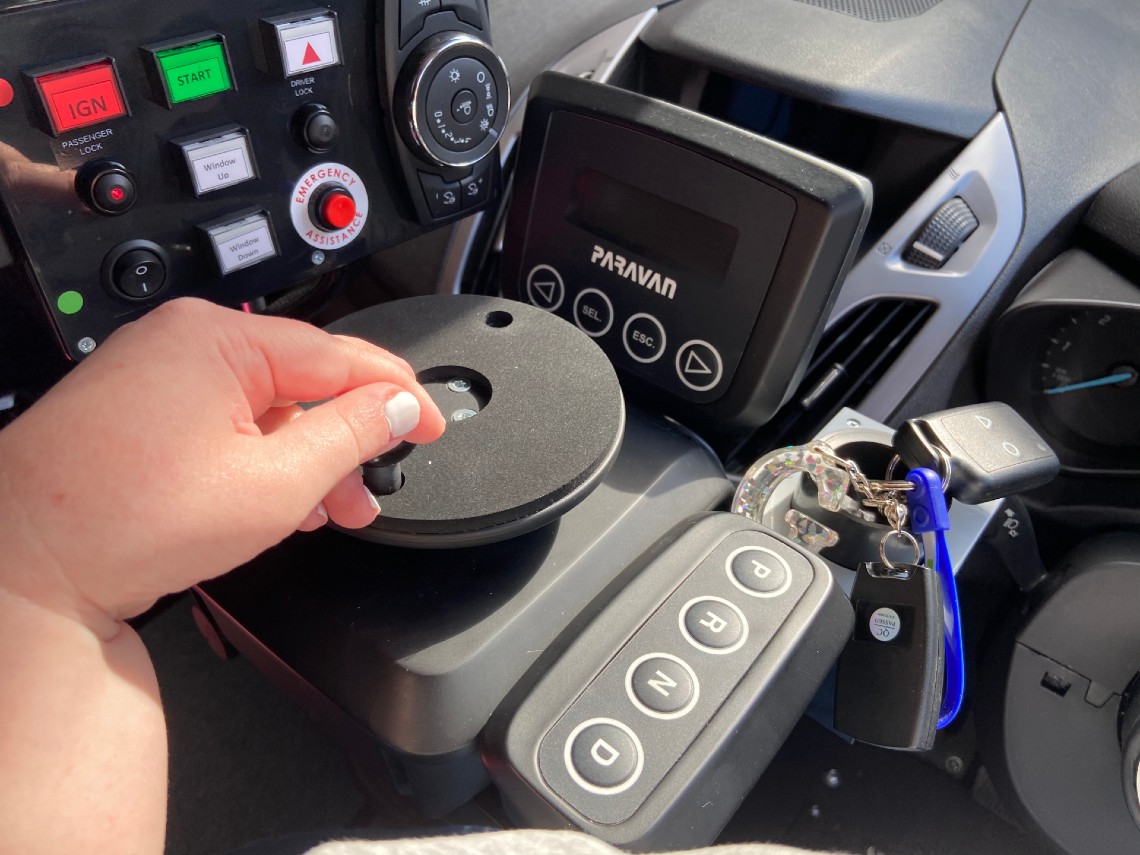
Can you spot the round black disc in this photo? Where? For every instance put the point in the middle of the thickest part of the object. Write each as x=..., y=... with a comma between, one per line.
x=535, y=418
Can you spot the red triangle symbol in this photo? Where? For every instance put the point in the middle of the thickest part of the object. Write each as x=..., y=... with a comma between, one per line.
x=310, y=56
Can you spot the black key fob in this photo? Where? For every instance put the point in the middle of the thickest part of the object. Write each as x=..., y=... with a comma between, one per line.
x=992, y=451
x=889, y=683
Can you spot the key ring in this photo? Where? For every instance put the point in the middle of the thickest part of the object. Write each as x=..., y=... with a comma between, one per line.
x=944, y=464
x=904, y=535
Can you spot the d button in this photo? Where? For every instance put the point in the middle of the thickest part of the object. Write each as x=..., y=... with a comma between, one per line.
x=604, y=756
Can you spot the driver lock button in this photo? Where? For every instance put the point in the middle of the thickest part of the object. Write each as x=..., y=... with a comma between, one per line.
x=604, y=756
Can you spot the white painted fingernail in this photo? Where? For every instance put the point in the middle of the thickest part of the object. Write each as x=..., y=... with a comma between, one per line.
x=403, y=413
x=320, y=509
x=371, y=499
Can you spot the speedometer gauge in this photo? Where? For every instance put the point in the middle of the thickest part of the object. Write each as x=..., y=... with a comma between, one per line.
x=1086, y=380
x=1066, y=355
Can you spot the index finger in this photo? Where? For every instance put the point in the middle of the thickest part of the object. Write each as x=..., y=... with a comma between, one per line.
x=278, y=360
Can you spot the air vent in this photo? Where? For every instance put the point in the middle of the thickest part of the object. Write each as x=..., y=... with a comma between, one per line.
x=851, y=358
x=877, y=11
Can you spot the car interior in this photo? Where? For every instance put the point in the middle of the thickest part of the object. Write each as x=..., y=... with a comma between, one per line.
x=789, y=352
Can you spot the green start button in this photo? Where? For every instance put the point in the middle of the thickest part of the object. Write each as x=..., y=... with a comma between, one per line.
x=194, y=70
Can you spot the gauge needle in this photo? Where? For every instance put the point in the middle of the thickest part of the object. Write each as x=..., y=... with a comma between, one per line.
x=1110, y=380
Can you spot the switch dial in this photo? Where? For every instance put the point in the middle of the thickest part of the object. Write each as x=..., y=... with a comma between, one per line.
x=453, y=96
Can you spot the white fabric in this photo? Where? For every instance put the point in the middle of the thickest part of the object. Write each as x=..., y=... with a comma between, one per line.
x=516, y=842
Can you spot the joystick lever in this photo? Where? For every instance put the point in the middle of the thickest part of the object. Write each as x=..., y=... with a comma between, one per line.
x=383, y=475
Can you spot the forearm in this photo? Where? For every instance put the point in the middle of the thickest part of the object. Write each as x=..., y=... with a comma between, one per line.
x=82, y=737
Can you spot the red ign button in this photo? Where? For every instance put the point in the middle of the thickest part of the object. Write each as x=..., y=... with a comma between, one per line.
x=82, y=96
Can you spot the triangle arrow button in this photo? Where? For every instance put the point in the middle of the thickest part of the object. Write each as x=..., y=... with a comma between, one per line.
x=695, y=365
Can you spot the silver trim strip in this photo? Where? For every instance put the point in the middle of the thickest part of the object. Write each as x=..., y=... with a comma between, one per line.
x=598, y=58
x=987, y=177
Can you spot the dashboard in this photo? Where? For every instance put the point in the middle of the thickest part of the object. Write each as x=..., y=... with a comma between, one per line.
x=777, y=220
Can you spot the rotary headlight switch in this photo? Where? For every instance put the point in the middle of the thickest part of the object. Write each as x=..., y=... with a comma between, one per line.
x=454, y=95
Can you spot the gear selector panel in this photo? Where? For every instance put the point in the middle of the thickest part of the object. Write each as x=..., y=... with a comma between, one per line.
x=712, y=651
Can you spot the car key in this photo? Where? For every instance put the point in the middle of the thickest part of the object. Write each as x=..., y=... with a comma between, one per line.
x=889, y=682
x=983, y=451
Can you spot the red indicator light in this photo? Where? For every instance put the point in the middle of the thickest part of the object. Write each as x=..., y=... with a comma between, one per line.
x=338, y=209
x=82, y=96
x=6, y=93
x=117, y=194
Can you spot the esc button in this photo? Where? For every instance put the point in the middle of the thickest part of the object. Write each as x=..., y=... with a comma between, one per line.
x=644, y=338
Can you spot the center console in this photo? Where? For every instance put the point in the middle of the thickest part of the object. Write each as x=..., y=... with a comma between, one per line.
x=553, y=599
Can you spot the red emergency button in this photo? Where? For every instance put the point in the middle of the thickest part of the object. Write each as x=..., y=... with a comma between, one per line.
x=336, y=209
x=82, y=96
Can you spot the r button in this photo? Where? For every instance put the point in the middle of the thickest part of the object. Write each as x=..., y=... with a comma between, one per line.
x=713, y=625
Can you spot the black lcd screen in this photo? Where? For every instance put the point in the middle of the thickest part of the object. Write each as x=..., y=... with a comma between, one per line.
x=651, y=226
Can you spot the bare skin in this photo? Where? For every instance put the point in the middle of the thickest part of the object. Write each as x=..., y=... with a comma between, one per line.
x=173, y=454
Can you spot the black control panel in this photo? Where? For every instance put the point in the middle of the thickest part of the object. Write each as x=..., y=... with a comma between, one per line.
x=231, y=151
x=702, y=258
x=713, y=651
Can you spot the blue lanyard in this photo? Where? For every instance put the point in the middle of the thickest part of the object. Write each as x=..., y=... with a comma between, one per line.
x=930, y=517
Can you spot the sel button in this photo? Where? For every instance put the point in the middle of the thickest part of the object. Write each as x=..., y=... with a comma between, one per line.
x=604, y=756
x=593, y=312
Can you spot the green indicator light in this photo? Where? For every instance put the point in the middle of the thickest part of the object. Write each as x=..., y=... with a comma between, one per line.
x=70, y=302
x=194, y=71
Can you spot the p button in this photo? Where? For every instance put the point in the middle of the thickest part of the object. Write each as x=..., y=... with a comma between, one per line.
x=604, y=756
x=758, y=572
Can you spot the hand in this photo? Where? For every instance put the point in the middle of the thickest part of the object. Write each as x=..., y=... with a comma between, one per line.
x=176, y=452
